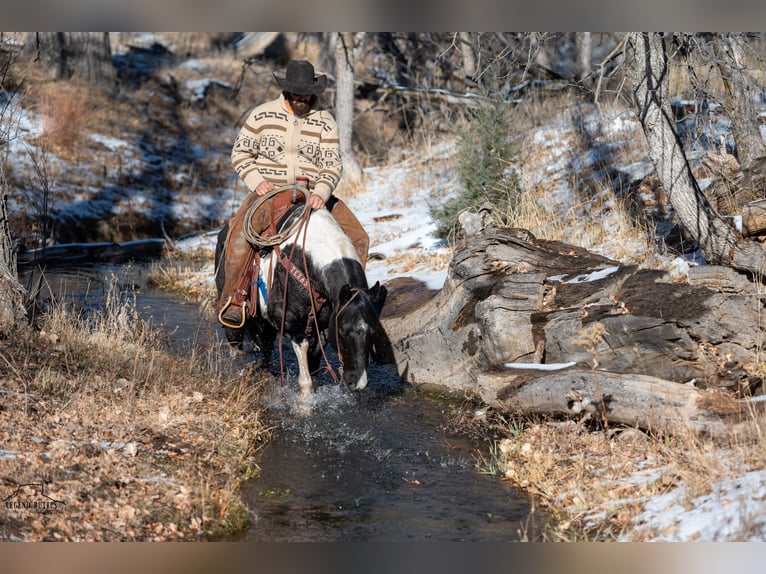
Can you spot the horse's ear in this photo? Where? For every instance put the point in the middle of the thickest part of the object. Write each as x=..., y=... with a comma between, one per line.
x=378, y=294
x=344, y=295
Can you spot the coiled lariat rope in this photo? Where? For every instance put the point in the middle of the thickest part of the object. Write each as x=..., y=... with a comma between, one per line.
x=254, y=237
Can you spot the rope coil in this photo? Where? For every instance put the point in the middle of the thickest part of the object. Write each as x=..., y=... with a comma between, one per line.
x=254, y=237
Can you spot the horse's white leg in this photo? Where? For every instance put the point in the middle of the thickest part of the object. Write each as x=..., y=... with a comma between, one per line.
x=304, y=375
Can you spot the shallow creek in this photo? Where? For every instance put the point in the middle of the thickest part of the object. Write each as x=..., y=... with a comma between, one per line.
x=380, y=465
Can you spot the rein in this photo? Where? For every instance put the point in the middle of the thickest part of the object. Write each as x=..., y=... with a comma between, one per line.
x=316, y=298
x=300, y=277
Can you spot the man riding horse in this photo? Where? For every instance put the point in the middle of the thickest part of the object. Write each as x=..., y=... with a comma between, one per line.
x=286, y=141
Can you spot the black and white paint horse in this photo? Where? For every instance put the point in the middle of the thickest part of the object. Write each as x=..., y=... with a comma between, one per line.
x=348, y=318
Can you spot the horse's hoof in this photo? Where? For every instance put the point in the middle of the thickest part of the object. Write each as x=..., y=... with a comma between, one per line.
x=304, y=406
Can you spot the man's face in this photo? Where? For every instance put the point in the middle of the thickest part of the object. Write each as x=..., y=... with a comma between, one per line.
x=300, y=103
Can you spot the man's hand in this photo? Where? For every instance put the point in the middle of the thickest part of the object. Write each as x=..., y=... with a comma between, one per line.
x=264, y=187
x=316, y=201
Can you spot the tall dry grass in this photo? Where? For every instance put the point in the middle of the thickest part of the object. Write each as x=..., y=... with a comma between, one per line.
x=66, y=111
x=139, y=443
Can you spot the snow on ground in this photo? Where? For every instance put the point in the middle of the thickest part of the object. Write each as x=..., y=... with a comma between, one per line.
x=734, y=510
x=395, y=211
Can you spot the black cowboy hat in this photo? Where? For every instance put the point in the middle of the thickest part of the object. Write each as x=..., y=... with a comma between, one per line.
x=300, y=79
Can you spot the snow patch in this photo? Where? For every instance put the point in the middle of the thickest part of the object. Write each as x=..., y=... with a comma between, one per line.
x=540, y=366
x=585, y=278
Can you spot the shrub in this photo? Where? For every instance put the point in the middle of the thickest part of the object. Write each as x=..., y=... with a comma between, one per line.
x=66, y=112
x=485, y=150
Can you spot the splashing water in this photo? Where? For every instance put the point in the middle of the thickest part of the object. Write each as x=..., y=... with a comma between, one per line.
x=377, y=465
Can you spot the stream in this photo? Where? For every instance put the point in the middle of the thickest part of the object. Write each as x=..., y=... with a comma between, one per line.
x=381, y=465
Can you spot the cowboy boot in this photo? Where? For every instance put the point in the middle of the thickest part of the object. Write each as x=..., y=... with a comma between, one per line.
x=232, y=303
x=351, y=227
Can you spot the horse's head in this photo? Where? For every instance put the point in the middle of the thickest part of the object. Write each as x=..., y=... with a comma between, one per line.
x=356, y=333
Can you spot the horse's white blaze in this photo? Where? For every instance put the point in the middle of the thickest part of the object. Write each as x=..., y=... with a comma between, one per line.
x=304, y=375
x=362, y=382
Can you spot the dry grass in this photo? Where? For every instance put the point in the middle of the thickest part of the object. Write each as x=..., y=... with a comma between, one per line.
x=681, y=77
x=137, y=443
x=577, y=473
x=347, y=189
x=595, y=482
x=65, y=112
x=71, y=112
x=184, y=274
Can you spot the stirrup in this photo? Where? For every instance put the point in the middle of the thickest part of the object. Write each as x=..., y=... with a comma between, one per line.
x=225, y=323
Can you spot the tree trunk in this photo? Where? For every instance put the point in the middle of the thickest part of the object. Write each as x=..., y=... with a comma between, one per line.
x=720, y=243
x=641, y=401
x=345, y=59
x=730, y=50
x=12, y=313
x=583, y=54
x=537, y=49
x=469, y=56
x=83, y=55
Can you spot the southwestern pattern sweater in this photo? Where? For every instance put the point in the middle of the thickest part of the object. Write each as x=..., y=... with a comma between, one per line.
x=275, y=145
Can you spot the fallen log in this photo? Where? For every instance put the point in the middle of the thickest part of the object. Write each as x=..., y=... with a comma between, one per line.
x=647, y=350
x=105, y=252
x=649, y=403
x=754, y=218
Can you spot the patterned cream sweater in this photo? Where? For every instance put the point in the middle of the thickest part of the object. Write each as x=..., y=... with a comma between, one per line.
x=275, y=145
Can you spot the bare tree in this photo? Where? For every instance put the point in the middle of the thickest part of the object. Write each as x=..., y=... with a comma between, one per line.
x=583, y=54
x=731, y=51
x=719, y=242
x=12, y=312
x=83, y=55
x=469, y=56
x=346, y=47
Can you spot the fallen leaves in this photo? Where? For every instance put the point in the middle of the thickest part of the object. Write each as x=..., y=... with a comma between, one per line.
x=127, y=459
